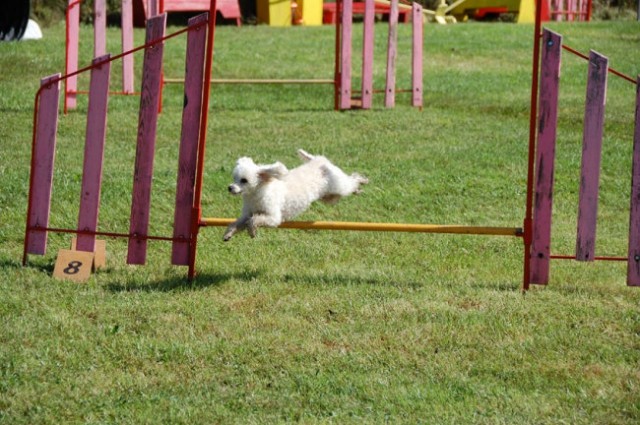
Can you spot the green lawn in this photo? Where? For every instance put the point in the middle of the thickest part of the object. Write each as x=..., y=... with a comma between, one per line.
x=329, y=327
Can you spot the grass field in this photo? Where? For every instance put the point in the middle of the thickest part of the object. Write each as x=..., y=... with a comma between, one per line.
x=329, y=327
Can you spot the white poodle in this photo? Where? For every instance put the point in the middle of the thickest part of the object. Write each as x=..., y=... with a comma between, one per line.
x=272, y=194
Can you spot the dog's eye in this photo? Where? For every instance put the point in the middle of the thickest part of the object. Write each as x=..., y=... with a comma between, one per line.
x=243, y=181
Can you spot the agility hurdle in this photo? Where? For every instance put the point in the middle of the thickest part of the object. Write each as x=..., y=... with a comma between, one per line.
x=345, y=98
x=187, y=214
x=188, y=219
x=72, y=19
x=540, y=256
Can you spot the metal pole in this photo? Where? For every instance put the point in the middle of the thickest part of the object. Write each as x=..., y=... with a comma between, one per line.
x=202, y=141
x=535, y=76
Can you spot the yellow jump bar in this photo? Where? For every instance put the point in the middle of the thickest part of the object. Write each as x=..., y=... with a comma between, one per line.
x=382, y=227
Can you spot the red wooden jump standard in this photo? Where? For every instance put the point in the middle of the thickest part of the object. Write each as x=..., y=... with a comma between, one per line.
x=44, y=141
x=540, y=255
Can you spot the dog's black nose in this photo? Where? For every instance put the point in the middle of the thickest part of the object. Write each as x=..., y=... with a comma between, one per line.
x=230, y=188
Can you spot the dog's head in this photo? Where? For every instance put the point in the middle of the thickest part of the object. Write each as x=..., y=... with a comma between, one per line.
x=249, y=176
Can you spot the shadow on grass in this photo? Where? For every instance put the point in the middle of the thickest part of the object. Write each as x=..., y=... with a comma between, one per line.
x=40, y=264
x=181, y=283
x=341, y=280
x=7, y=263
x=348, y=280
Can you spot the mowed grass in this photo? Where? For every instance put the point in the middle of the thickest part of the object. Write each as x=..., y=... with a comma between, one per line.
x=329, y=327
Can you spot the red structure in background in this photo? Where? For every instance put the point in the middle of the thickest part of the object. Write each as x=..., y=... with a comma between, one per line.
x=569, y=10
x=143, y=9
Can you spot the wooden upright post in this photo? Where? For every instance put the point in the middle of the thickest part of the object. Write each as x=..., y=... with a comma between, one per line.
x=146, y=141
x=591, y=156
x=127, y=45
x=99, y=28
x=42, y=159
x=71, y=54
x=93, y=154
x=187, y=159
x=367, y=54
x=416, y=55
x=633, y=262
x=346, y=20
x=392, y=53
x=545, y=157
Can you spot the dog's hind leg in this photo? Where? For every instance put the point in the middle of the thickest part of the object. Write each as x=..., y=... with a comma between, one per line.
x=359, y=180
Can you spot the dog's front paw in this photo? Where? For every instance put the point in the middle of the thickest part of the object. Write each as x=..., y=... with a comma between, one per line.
x=229, y=234
x=252, y=229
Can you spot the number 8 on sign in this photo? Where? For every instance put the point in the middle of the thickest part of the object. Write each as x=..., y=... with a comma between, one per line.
x=73, y=265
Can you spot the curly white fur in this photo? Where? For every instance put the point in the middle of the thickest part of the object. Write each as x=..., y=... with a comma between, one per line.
x=272, y=194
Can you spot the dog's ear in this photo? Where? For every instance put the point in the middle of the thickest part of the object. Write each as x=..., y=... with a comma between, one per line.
x=273, y=171
x=245, y=160
x=304, y=155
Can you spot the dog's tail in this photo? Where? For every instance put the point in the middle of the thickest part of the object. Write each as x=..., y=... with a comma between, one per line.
x=304, y=155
